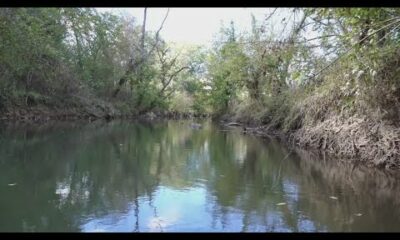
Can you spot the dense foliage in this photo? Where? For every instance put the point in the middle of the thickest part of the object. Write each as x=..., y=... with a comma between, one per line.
x=347, y=57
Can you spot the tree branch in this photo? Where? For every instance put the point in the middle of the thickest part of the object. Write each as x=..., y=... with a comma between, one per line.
x=319, y=37
x=142, y=50
x=354, y=45
x=171, y=77
x=158, y=33
x=271, y=14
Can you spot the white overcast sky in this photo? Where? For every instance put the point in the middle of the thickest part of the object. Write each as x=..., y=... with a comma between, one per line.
x=193, y=25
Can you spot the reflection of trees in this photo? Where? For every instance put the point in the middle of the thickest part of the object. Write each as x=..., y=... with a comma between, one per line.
x=265, y=177
x=65, y=172
x=95, y=172
x=253, y=185
x=372, y=192
x=88, y=170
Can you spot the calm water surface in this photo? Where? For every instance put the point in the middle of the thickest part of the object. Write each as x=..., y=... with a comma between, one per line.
x=165, y=176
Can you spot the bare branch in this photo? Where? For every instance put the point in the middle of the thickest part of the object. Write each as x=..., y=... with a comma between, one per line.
x=270, y=15
x=169, y=94
x=319, y=37
x=172, y=77
x=158, y=33
x=162, y=24
x=142, y=50
x=320, y=21
x=178, y=71
x=133, y=63
x=297, y=29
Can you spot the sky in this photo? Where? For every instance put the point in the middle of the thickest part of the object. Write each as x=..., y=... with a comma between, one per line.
x=193, y=25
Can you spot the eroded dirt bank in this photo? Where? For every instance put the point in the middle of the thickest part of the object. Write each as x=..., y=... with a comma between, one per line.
x=355, y=139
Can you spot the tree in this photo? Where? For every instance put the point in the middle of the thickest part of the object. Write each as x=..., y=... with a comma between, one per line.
x=135, y=63
x=169, y=70
x=226, y=69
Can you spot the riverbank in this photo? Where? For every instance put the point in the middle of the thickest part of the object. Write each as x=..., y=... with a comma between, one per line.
x=40, y=113
x=94, y=110
x=356, y=139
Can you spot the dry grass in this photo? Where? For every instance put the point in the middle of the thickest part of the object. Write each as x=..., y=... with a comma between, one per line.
x=374, y=143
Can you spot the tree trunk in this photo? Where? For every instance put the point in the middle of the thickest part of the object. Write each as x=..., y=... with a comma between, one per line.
x=142, y=50
x=133, y=65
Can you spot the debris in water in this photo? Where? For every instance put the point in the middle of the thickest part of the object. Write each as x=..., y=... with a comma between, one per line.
x=280, y=204
x=12, y=184
x=333, y=197
x=358, y=214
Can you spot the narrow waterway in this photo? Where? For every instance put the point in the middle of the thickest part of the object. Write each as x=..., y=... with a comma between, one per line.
x=166, y=176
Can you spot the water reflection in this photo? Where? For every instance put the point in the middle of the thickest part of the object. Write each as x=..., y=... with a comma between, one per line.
x=165, y=176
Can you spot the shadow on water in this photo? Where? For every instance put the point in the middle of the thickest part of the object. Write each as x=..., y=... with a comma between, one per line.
x=167, y=176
